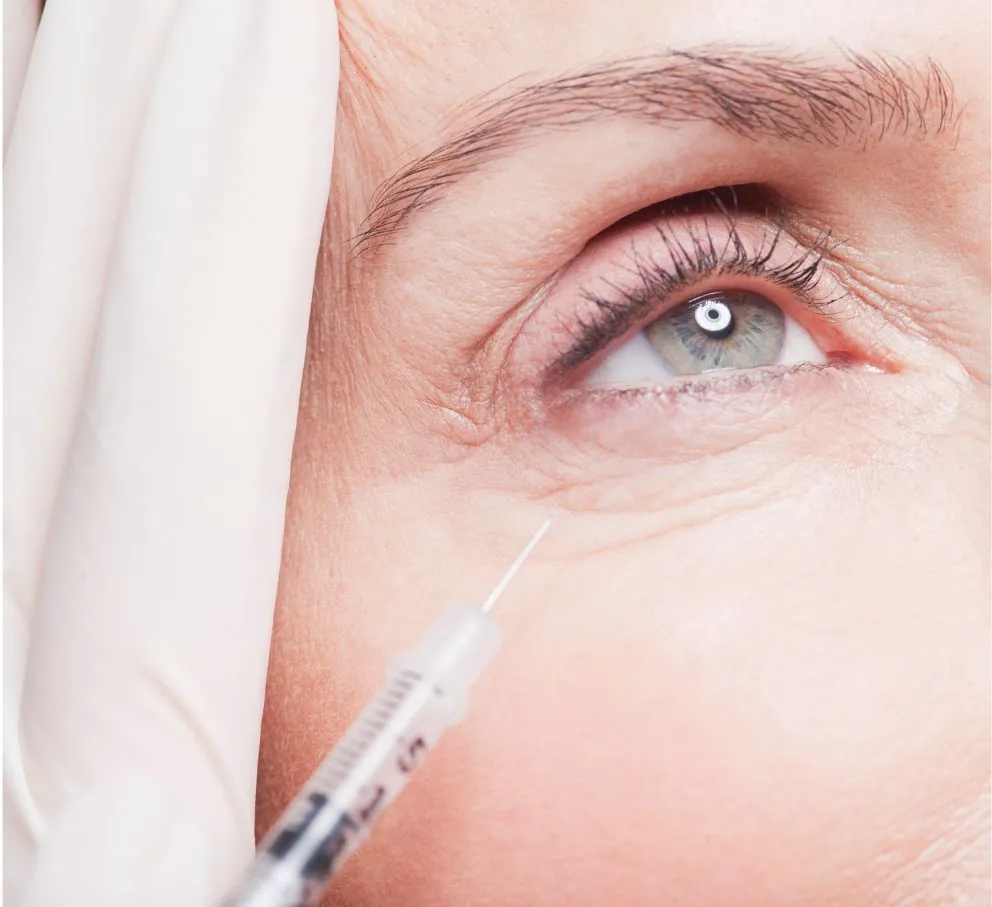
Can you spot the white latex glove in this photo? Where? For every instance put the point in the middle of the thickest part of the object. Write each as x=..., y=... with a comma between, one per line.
x=166, y=180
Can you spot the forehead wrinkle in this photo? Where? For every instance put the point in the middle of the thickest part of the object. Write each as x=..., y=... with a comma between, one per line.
x=752, y=93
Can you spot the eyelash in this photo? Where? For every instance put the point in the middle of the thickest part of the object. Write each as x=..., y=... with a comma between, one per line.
x=696, y=257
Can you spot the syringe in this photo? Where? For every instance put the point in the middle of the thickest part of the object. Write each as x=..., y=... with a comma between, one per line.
x=427, y=692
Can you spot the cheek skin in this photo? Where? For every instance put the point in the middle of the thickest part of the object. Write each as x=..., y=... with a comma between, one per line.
x=768, y=707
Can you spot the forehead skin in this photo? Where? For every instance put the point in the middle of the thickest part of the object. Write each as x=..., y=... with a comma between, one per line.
x=757, y=675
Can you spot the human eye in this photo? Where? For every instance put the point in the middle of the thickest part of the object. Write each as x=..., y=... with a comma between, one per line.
x=720, y=330
x=685, y=296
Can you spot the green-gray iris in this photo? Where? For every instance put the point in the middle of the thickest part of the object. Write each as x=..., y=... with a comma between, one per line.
x=728, y=330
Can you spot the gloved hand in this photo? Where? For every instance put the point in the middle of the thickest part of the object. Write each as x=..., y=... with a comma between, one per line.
x=166, y=179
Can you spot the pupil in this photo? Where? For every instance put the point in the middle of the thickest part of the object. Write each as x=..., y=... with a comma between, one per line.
x=715, y=319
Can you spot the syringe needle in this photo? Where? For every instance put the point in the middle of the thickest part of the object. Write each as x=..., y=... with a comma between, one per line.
x=487, y=605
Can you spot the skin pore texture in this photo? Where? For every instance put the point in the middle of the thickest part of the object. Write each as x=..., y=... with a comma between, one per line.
x=749, y=664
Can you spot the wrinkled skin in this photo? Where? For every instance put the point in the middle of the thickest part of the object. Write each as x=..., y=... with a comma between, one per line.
x=749, y=663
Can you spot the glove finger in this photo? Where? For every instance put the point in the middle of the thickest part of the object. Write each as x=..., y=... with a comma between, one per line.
x=20, y=22
x=65, y=175
x=66, y=170
x=152, y=626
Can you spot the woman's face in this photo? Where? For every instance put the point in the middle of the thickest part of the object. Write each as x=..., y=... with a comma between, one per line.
x=749, y=663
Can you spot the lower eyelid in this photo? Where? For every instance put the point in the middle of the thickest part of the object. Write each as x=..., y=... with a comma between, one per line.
x=681, y=420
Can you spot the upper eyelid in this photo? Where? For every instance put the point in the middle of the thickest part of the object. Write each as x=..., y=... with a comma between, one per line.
x=802, y=272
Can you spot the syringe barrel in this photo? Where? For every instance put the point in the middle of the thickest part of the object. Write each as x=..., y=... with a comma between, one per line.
x=328, y=821
x=453, y=655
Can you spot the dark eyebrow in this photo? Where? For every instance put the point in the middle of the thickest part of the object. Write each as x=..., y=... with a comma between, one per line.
x=754, y=94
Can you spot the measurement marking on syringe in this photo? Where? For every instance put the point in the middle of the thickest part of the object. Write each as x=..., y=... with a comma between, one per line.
x=355, y=745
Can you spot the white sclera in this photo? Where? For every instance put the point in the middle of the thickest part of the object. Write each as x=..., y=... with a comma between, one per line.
x=635, y=362
x=798, y=346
